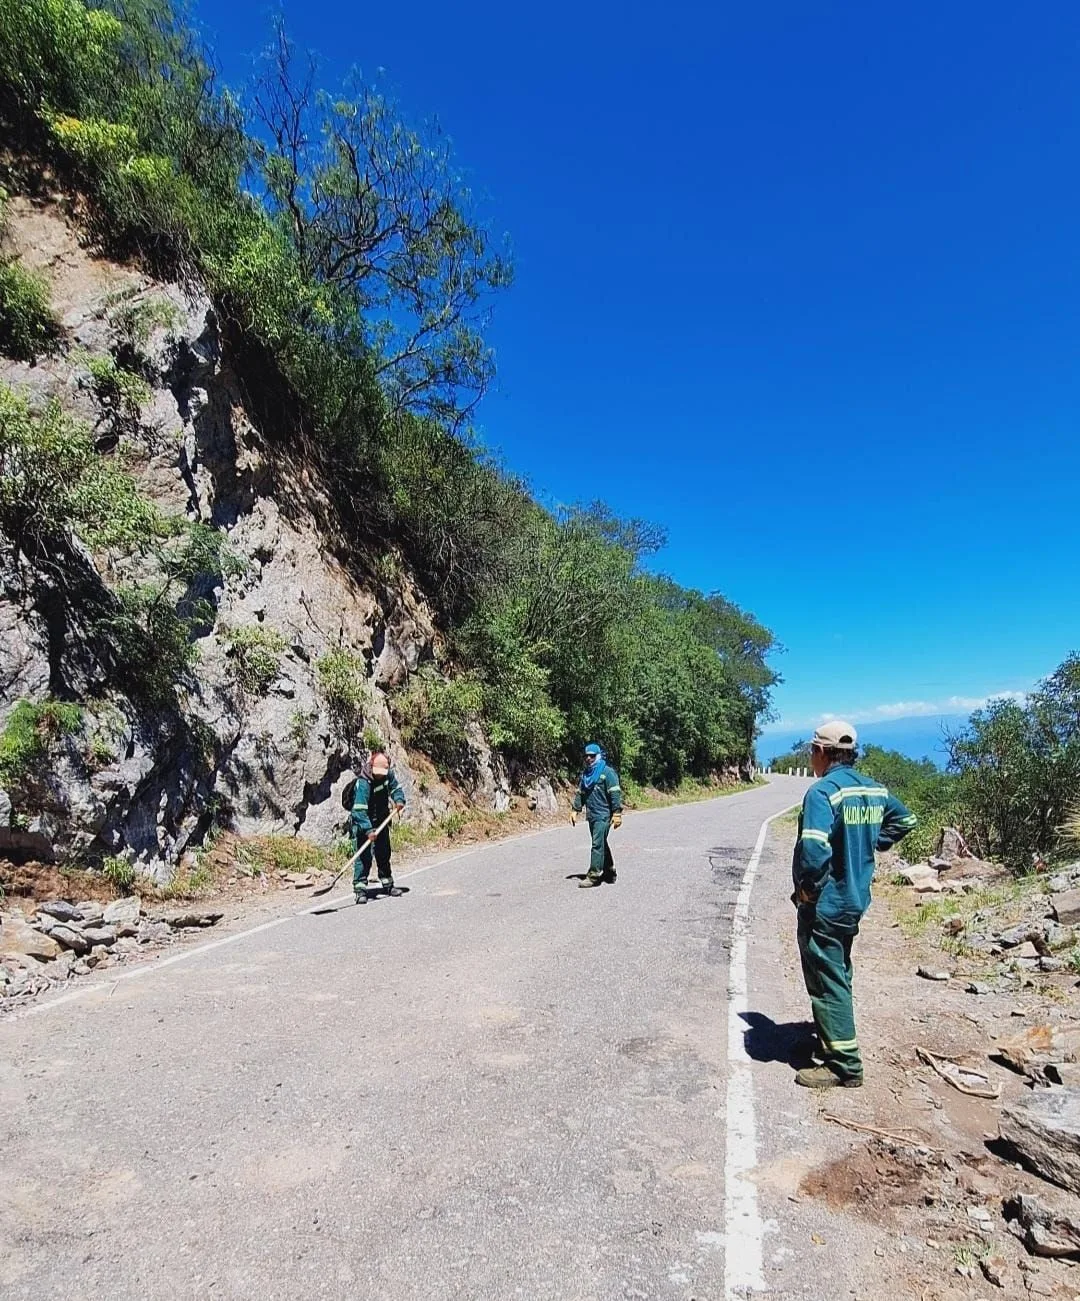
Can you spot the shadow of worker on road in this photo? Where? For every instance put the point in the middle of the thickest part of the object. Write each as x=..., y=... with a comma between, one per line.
x=766, y=1040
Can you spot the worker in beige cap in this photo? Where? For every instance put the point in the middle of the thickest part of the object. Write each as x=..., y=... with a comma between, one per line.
x=845, y=817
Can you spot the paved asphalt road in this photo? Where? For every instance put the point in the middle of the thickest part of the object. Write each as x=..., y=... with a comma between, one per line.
x=495, y=1086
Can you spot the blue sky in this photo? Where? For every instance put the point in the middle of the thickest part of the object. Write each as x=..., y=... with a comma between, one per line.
x=798, y=282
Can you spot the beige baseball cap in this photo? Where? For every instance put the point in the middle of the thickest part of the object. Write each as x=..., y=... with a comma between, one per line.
x=835, y=736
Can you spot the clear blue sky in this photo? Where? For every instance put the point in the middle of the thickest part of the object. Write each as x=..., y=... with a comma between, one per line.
x=798, y=282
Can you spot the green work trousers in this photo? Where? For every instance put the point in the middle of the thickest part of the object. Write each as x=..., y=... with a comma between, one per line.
x=362, y=867
x=825, y=949
x=600, y=861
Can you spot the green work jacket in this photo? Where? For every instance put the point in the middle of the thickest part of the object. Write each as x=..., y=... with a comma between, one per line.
x=845, y=817
x=602, y=798
x=372, y=797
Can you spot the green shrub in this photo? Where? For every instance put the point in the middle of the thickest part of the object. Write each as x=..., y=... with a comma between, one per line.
x=29, y=734
x=254, y=657
x=53, y=479
x=28, y=326
x=120, y=390
x=291, y=854
x=300, y=728
x=137, y=321
x=433, y=714
x=342, y=678
x=120, y=872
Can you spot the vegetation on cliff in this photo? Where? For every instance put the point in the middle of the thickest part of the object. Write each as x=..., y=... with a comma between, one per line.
x=352, y=276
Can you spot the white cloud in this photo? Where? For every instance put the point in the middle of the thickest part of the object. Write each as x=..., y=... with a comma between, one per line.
x=903, y=709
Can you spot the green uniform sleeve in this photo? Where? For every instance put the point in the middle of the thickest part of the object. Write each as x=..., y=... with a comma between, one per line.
x=896, y=823
x=614, y=790
x=396, y=793
x=577, y=800
x=813, y=853
x=360, y=804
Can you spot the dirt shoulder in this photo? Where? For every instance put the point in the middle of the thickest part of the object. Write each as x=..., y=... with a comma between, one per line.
x=922, y=1168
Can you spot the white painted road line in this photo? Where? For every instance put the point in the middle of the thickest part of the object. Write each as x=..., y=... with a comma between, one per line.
x=743, y=1263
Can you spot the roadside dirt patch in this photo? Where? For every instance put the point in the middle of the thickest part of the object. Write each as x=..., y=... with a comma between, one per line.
x=38, y=881
x=874, y=1181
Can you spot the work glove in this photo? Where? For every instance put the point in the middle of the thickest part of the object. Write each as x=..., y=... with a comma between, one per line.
x=573, y=817
x=616, y=820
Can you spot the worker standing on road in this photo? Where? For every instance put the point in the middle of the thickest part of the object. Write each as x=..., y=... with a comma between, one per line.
x=599, y=794
x=376, y=788
x=845, y=817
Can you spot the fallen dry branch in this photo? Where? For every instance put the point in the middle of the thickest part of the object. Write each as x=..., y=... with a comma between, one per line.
x=879, y=1133
x=965, y=1079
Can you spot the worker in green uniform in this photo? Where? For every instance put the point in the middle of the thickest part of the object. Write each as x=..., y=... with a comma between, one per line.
x=599, y=794
x=845, y=817
x=376, y=789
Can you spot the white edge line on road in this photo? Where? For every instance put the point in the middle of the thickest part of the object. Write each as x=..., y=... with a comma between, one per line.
x=743, y=1261
x=147, y=969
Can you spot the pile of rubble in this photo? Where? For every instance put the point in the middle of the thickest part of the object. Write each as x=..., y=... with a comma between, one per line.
x=58, y=939
x=952, y=870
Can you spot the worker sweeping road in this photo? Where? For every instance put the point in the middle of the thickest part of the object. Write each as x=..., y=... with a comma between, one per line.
x=376, y=789
x=845, y=817
x=599, y=794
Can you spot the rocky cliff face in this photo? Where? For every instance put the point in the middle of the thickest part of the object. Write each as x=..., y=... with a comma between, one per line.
x=272, y=758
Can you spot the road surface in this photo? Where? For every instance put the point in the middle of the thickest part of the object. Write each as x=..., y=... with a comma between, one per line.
x=495, y=1086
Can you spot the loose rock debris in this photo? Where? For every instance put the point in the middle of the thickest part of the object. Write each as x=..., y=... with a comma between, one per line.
x=46, y=947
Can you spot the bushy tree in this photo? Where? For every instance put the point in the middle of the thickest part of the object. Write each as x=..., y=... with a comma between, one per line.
x=380, y=217
x=1018, y=768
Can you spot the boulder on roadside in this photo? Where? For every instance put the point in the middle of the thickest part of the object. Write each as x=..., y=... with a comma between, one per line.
x=103, y=935
x=1044, y=1130
x=202, y=917
x=60, y=909
x=91, y=912
x=1015, y=936
x=951, y=845
x=1039, y=1045
x=298, y=880
x=1067, y=908
x=17, y=936
x=124, y=911
x=153, y=933
x=1044, y=1230
x=71, y=937
x=916, y=874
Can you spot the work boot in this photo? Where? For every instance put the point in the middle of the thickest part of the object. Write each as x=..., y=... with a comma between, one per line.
x=824, y=1077
x=388, y=886
x=610, y=876
x=360, y=894
x=588, y=882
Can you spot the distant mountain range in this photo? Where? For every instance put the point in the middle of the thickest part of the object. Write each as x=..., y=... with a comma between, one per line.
x=918, y=738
